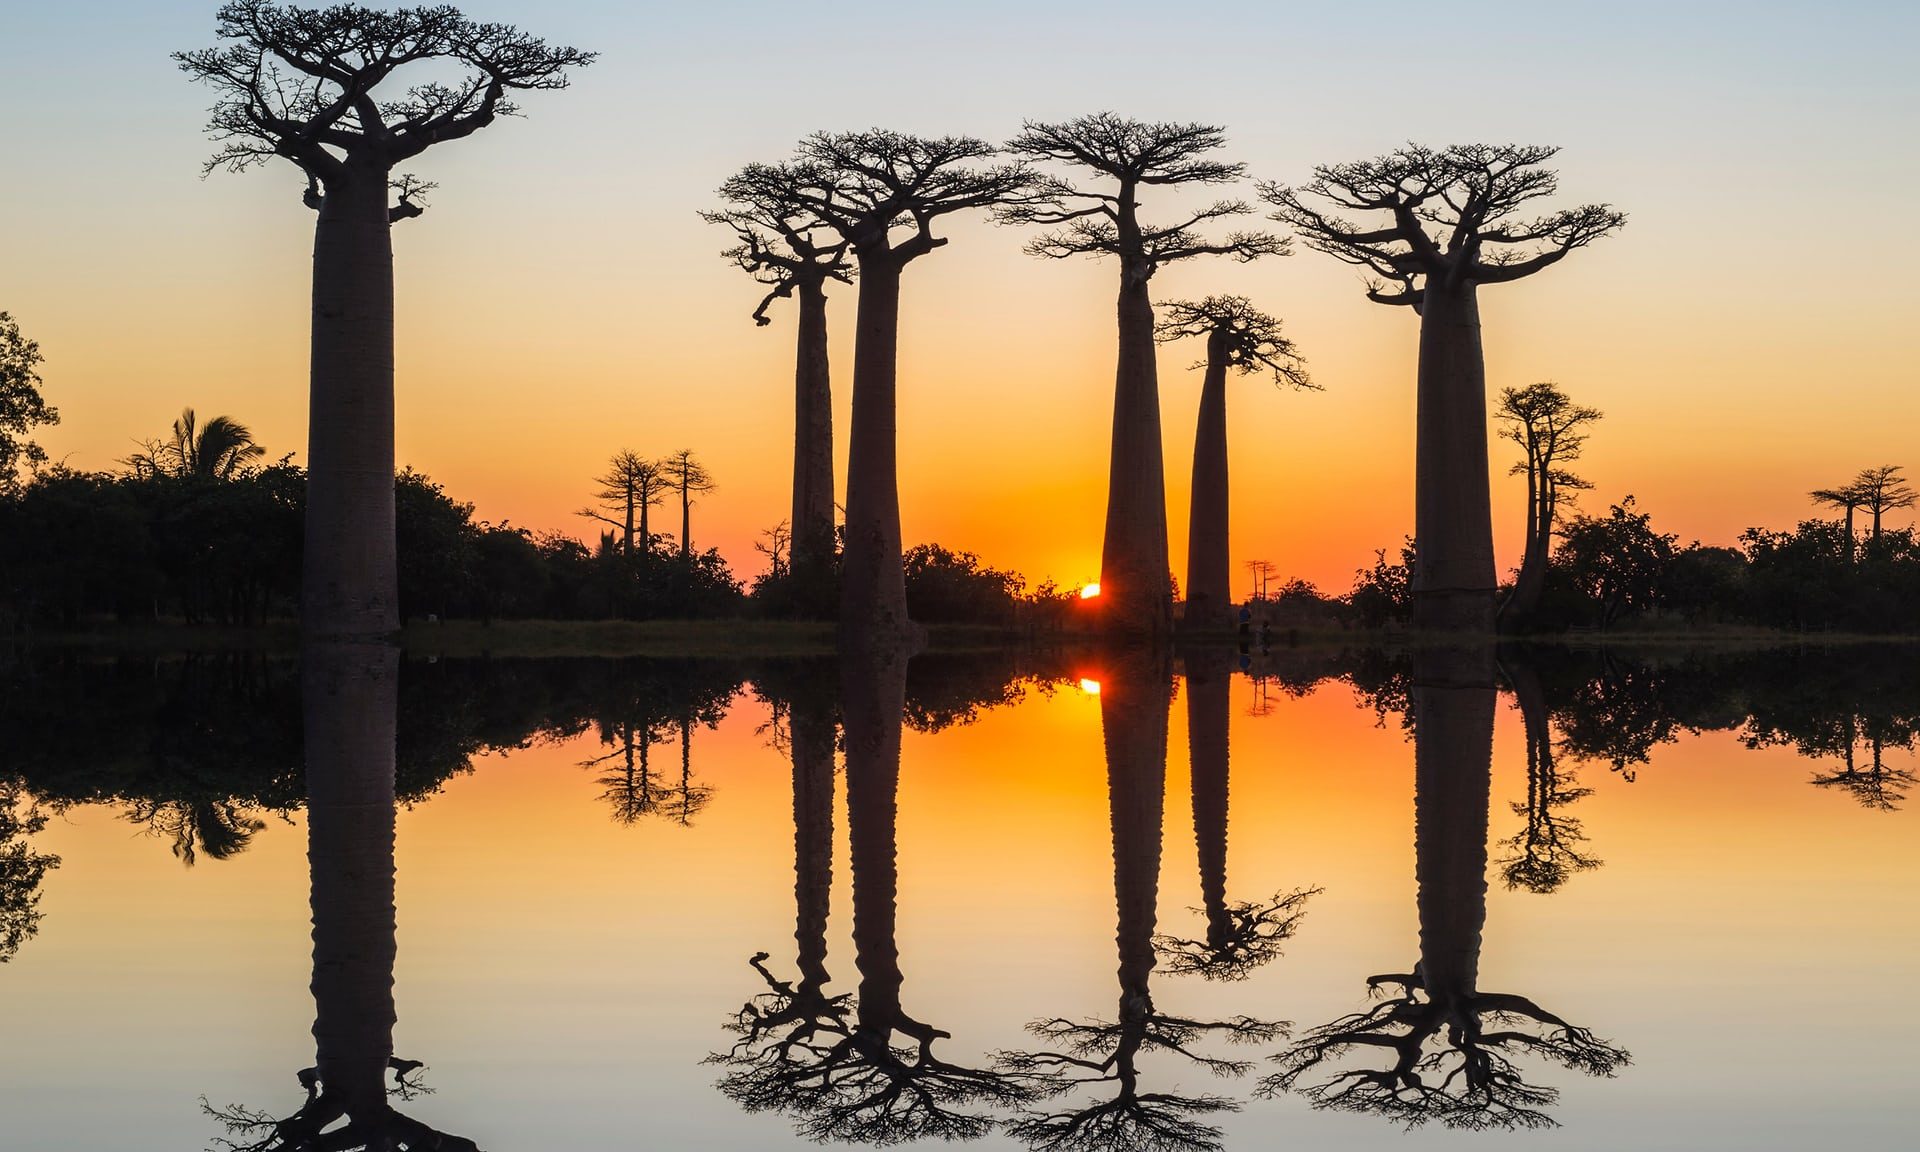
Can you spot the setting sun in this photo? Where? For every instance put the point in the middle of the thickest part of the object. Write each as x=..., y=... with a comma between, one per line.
x=1089, y=591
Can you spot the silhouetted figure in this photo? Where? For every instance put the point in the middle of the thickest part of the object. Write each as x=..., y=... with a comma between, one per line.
x=1445, y=222
x=1452, y=1052
x=871, y=1076
x=351, y=693
x=783, y=246
x=1098, y=1057
x=1244, y=339
x=317, y=87
x=1241, y=936
x=1547, y=851
x=1132, y=157
x=1547, y=425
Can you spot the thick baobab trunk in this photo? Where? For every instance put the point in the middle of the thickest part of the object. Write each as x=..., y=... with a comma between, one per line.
x=1516, y=612
x=810, y=732
x=350, y=695
x=1453, y=578
x=686, y=519
x=1134, y=573
x=873, y=586
x=1453, y=704
x=1209, y=715
x=1209, y=594
x=1134, y=700
x=349, y=587
x=874, y=692
x=812, y=521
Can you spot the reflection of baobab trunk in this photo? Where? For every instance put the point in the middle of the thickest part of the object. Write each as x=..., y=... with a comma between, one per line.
x=1134, y=572
x=1453, y=578
x=810, y=728
x=1209, y=594
x=1209, y=715
x=348, y=588
x=873, y=591
x=351, y=693
x=813, y=433
x=1453, y=708
x=874, y=692
x=1133, y=723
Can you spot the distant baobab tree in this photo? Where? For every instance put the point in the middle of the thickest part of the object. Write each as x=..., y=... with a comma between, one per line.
x=781, y=244
x=881, y=192
x=629, y=487
x=1550, y=847
x=1550, y=428
x=1243, y=339
x=307, y=85
x=22, y=408
x=1883, y=490
x=1261, y=571
x=1847, y=498
x=218, y=449
x=688, y=477
x=1450, y=225
x=1131, y=156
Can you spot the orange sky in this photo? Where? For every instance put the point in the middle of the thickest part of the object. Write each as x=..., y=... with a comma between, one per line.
x=560, y=300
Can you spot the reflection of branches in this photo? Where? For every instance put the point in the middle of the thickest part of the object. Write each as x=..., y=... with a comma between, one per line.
x=1547, y=850
x=218, y=829
x=1448, y=1064
x=1876, y=786
x=1240, y=937
x=21, y=871
x=312, y=1128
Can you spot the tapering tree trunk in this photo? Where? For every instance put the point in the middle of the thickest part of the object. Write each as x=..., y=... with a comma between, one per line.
x=350, y=695
x=629, y=537
x=1209, y=716
x=1850, y=548
x=873, y=587
x=1209, y=591
x=810, y=732
x=646, y=533
x=1134, y=701
x=686, y=520
x=1135, y=596
x=350, y=584
x=1453, y=704
x=1453, y=579
x=873, y=702
x=1517, y=611
x=812, y=542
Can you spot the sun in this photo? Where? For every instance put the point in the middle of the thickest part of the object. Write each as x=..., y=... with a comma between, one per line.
x=1089, y=591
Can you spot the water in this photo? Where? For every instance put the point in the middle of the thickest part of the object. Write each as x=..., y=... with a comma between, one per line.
x=1090, y=903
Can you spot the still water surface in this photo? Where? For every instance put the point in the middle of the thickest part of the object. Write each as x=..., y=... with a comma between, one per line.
x=1312, y=900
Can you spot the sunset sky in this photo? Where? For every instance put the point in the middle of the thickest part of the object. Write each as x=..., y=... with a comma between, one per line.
x=1747, y=334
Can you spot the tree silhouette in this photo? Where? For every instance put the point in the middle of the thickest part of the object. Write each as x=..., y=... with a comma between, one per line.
x=1130, y=156
x=1882, y=490
x=350, y=695
x=313, y=86
x=1244, y=339
x=1451, y=224
x=881, y=192
x=780, y=246
x=1548, y=849
x=1100, y=1056
x=1848, y=498
x=216, y=450
x=630, y=486
x=22, y=408
x=1547, y=425
x=21, y=869
x=688, y=476
x=1240, y=936
x=1454, y=1051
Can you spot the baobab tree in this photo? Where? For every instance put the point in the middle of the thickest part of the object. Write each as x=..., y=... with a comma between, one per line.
x=1129, y=157
x=1261, y=571
x=1847, y=499
x=630, y=486
x=316, y=87
x=1448, y=222
x=786, y=248
x=1883, y=490
x=1550, y=429
x=687, y=476
x=1549, y=849
x=1240, y=338
x=882, y=192
x=22, y=408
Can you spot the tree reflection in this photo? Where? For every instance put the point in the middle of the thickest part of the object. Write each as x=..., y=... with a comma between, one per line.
x=21, y=869
x=1241, y=936
x=350, y=694
x=1098, y=1060
x=1454, y=1053
x=1548, y=849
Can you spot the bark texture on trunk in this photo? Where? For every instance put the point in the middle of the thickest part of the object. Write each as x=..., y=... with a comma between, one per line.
x=1209, y=716
x=812, y=434
x=1209, y=592
x=350, y=585
x=350, y=697
x=1454, y=578
x=873, y=588
x=1453, y=707
x=874, y=693
x=1135, y=596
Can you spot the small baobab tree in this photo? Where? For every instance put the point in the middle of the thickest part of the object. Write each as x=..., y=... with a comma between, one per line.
x=1129, y=157
x=1883, y=490
x=785, y=247
x=317, y=87
x=881, y=192
x=628, y=488
x=689, y=477
x=1446, y=221
x=1846, y=498
x=1240, y=338
x=1550, y=428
